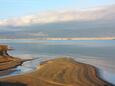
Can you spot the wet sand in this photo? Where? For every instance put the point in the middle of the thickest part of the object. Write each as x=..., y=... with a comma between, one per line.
x=58, y=72
x=11, y=62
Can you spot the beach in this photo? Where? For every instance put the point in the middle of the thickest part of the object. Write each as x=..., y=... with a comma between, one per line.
x=88, y=63
x=57, y=72
x=57, y=43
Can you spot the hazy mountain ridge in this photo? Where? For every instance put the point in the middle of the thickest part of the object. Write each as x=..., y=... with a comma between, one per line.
x=65, y=29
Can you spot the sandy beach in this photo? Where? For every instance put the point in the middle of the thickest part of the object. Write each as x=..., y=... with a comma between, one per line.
x=58, y=72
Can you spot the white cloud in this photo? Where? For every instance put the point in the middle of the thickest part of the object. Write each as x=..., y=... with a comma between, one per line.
x=58, y=16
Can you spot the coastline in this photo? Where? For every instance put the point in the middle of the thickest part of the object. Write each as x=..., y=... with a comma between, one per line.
x=58, y=72
x=63, y=38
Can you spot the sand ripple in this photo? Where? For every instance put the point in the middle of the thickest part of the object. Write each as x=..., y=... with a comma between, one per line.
x=58, y=72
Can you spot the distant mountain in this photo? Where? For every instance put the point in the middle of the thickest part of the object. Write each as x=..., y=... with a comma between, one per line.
x=63, y=29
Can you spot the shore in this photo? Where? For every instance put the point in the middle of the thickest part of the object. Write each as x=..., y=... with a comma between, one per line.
x=65, y=38
x=57, y=72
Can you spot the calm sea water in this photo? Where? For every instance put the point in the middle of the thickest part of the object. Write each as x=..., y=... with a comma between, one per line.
x=101, y=54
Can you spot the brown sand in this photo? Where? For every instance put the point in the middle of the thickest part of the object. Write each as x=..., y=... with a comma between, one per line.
x=11, y=62
x=8, y=62
x=57, y=72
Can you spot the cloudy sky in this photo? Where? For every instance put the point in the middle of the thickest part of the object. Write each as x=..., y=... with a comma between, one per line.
x=19, y=8
x=57, y=18
x=27, y=12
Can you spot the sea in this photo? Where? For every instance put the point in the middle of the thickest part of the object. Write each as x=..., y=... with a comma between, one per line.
x=99, y=53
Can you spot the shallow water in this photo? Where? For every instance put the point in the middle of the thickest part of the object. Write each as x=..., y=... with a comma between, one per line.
x=98, y=53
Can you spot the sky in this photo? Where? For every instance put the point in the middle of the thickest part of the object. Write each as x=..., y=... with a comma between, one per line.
x=57, y=18
x=18, y=8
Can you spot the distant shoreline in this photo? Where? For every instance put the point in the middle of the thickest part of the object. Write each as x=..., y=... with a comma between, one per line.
x=76, y=38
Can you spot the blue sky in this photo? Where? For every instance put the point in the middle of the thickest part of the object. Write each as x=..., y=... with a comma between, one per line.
x=17, y=8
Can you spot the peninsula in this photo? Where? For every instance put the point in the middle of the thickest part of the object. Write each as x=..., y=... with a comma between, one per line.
x=58, y=72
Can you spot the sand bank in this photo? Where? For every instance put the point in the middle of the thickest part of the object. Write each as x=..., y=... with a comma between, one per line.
x=57, y=72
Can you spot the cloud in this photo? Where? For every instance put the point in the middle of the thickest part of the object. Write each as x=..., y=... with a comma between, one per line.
x=106, y=13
